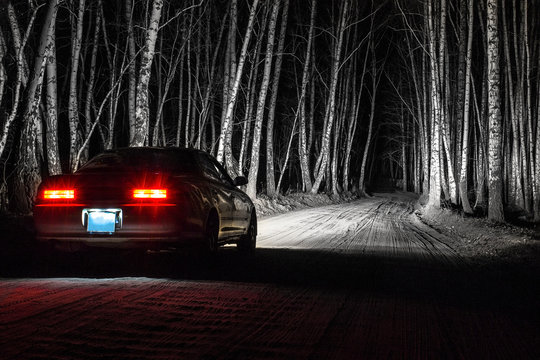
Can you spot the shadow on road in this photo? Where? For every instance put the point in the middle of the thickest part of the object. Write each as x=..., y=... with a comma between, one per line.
x=500, y=287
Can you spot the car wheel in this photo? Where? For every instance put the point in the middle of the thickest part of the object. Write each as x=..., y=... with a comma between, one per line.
x=248, y=242
x=211, y=236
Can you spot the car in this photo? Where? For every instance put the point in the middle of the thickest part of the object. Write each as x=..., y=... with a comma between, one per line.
x=146, y=198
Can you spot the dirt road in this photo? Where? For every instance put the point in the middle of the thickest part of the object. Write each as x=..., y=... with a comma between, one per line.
x=360, y=280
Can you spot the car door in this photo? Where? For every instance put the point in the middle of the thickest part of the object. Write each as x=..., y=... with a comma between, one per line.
x=220, y=191
x=241, y=208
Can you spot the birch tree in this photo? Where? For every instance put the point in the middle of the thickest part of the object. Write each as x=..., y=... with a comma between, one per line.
x=225, y=136
x=435, y=165
x=251, y=188
x=142, y=112
x=21, y=66
x=270, y=179
x=73, y=108
x=132, y=87
x=374, y=85
x=301, y=110
x=322, y=159
x=27, y=176
x=52, y=153
x=495, y=204
x=463, y=190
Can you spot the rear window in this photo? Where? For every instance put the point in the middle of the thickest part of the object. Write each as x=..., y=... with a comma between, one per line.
x=141, y=160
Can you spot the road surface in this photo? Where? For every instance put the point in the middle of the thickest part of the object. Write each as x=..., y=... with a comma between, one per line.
x=360, y=280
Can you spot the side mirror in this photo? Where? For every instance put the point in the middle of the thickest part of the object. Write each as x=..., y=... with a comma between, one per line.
x=240, y=180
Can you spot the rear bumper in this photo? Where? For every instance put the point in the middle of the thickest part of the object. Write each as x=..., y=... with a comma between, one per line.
x=152, y=227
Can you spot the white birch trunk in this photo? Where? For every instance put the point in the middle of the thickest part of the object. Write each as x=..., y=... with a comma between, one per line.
x=132, y=87
x=536, y=189
x=495, y=204
x=435, y=165
x=331, y=105
x=73, y=108
x=19, y=45
x=27, y=175
x=302, y=136
x=225, y=136
x=362, y=180
x=52, y=153
x=89, y=101
x=270, y=179
x=3, y=75
x=251, y=188
x=142, y=112
x=463, y=191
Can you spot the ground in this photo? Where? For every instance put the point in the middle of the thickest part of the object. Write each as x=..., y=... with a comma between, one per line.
x=378, y=277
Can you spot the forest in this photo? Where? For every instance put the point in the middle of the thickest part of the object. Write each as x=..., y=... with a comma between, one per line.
x=438, y=97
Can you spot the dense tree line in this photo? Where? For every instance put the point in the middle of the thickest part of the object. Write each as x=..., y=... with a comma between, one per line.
x=468, y=95
x=303, y=96
x=274, y=91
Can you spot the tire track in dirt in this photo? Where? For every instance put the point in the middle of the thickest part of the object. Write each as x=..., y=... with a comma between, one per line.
x=379, y=225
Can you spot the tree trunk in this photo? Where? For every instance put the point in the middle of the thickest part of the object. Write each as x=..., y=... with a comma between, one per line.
x=495, y=205
x=225, y=136
x=536, y=189
x=303, y=143
x=73, y=107
x=253, y=80
x=132, y=76
x=463, y=191
x=52, y=153
x=270, y=179
x=142, y=113
x=435, y=165
x=27, y=175
x=19, y=45
x=251, y=188
x=362, y=180
x=90, y=86
x=331, y=105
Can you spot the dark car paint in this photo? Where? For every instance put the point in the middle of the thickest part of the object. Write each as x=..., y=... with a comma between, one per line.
x=176, y=221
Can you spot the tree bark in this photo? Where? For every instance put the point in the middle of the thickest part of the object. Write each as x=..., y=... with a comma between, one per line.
x=303, y=142
x=331, y=105
x=495, y=203
x=89, y=101
x=19, y=45
x=52, y=153
x=27, y=175
x=362, y=180
x=73, y=106
x=132, y=76
x=435, y=165
x=225, y=136
x=463, y=191
x=142, y=113
x=251, y=188
x=270, y=178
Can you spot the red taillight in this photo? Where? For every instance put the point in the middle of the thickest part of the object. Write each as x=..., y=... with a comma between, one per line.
x=59, y=194
x=150, y=193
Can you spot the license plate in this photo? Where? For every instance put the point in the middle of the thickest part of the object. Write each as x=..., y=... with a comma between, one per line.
x=102, y=220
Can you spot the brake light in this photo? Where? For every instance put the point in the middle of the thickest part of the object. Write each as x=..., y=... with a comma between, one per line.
x=150, y=193
x=59, y=194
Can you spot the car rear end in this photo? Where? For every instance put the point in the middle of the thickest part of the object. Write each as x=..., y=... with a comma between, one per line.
x=125, y=209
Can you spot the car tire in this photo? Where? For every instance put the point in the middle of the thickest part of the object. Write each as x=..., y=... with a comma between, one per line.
x=248, y=242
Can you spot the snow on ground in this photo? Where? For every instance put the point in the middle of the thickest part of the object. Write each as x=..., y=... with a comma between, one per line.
x=485, y=240
x=476, y=237
x=280, y=204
